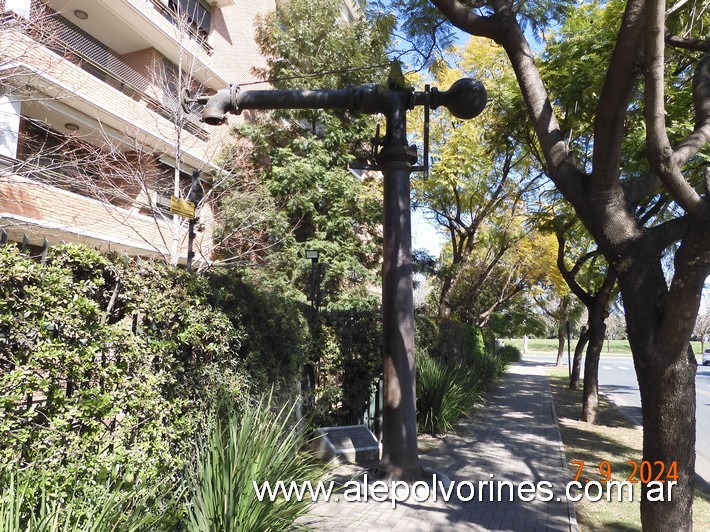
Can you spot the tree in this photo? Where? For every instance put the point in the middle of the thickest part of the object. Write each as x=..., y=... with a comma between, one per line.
x=476, y=189
x=593, y=284
x=615, y=325
x=702, y=329
x=560, y=307
x=650, y=42
x=303, y=155
x=489, y=283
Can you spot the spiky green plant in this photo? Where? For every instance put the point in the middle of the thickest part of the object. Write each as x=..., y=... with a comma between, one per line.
x=111, y=511
x=11, y=502
x=445, y=393
x=253, y=445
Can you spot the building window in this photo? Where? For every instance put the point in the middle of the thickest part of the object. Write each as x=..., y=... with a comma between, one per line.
x=197, y=12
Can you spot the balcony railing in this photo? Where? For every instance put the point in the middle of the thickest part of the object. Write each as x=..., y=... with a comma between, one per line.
x=74, y=44
x=193, y=33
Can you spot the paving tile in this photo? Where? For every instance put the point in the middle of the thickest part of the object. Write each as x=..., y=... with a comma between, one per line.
x=514, y=438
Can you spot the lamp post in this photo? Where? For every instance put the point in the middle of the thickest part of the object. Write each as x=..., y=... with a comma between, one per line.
x=466, y=98
x=313, y=254
x=194, y=197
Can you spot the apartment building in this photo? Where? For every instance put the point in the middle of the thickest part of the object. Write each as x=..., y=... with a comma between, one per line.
x=93, y=140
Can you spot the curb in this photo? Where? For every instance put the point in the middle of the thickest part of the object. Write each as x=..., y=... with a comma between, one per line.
x=573, y=525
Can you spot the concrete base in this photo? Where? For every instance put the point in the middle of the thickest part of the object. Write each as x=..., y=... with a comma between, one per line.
x=353, y=444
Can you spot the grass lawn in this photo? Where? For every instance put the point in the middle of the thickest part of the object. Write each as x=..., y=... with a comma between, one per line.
x=615, y=440
x=545, y=345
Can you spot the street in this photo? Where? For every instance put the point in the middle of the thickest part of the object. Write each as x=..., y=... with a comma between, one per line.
x=617, y=380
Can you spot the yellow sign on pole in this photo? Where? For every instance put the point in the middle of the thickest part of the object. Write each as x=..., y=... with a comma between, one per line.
x=182, y=207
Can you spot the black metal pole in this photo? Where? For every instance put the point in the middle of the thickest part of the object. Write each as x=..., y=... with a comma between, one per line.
x=399, y=431
x=191, y=224
x=569, y=355
x=466, y=98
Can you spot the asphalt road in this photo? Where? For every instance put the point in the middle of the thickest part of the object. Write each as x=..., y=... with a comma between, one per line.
x=617, y=380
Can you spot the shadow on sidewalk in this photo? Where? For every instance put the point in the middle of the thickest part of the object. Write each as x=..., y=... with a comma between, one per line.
x=509, y=441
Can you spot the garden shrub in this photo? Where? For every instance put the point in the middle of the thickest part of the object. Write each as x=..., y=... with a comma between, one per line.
x=276, y=337
x=114, y=509
x=445, y=394
x=454, y=368
x=87, y=393
x=252, y=445
x=347, y=358
x=509, y=353
x=449, y=340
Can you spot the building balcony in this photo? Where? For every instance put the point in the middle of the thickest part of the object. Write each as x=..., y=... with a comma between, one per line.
x=142, y=24
x=104, y=95
x=74, y=44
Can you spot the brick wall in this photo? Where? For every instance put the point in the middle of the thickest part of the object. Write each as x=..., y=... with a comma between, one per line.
x=37, y=209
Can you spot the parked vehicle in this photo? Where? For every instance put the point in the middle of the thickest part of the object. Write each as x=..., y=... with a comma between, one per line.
x=706, y=357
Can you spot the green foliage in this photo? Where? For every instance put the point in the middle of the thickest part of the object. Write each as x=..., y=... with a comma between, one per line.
x=252, y=446
x=276, y=337
x=574, y=65
x=480, y=190
x=454, y=367
x=448, y=340
x=27, y=504
x=110, y=368
x=445, y=394
x=102, y=370
x=345, y=53
x=509, y=353
x=347, y=357
x=517, y=320
x=303, y=154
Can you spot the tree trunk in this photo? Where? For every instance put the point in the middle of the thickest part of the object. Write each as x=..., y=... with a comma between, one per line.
x=444, y=306
x=577, y=360
x=659, y=323
x=590, y=395
x=668, y=407
x=560, y=343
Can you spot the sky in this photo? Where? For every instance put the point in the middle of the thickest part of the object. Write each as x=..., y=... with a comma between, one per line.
x=425, y=235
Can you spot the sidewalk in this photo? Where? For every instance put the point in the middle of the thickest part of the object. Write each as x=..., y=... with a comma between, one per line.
x=513, y=438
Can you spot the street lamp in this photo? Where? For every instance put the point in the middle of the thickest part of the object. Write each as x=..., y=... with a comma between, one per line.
x=465, y=99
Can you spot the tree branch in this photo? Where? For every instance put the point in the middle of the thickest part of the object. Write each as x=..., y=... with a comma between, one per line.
x=568, y=275
x=661, y=156
x=701, y=102
x=638, y=189
x=464, y=19
x=616, y=92
x=695, y=45
x=669, y=232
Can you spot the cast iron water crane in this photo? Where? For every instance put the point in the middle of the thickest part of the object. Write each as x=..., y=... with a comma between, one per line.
x=465, y=99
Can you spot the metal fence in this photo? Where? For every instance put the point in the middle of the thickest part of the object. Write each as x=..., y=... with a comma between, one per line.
x=25, y=245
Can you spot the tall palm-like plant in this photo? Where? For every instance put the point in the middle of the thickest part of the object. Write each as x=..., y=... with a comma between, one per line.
x=253, y=445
